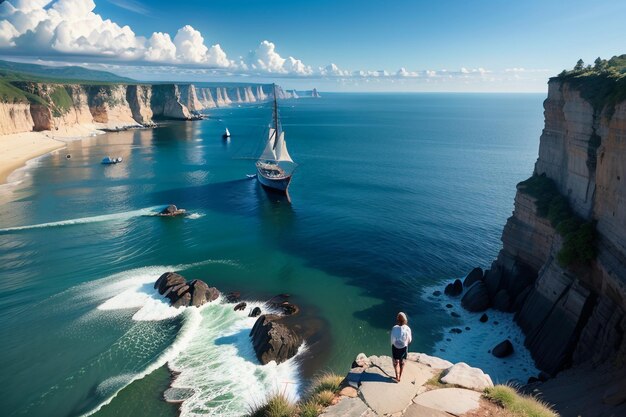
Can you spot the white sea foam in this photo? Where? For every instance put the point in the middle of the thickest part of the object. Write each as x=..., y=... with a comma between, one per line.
x=194, y=216
x=83, y=220
x=212, y=351
x=222, y=368
x=473, y=346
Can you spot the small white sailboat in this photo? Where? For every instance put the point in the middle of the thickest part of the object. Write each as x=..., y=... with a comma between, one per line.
x=275, y=166
x=226, y=134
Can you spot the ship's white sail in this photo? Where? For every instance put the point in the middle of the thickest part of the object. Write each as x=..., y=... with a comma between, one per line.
x=268, y=153
x=227, y=133
x=282, y=155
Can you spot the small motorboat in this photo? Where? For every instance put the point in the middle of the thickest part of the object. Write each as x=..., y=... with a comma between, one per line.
x=171, y=211
x=226, y=134
x=109, y=161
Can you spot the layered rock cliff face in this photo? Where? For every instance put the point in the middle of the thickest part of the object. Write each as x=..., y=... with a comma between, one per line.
x=571, y=314
x=58, y=107
x=15, y=117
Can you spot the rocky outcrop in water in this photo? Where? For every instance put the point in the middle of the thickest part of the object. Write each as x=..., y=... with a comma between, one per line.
x=272, y=340
x=183, y=293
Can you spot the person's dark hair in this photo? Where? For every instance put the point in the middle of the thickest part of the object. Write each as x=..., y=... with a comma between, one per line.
x=401, y=319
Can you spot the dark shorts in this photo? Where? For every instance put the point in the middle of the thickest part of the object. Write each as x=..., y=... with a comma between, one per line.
x=399, y=354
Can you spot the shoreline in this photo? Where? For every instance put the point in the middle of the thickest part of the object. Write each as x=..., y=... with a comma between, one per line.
x=18, y=149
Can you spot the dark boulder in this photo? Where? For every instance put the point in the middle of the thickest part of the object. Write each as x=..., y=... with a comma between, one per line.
x=544, y=376
x=449, y=306
x=476, y=299
x=492, y=280
x=502, y=301
x=256, y=311
x=168, y=280
x=456, y=330
x=455, y=314
x=532, y=380
x=241, y=306
x=437, y=293
x=280, y=302
x=455, y=289
x=503, y=349
x=182, y=293
x=273, y=340
x=233, y=297
x=484, y=318
x=521, y=297
x=171, y=211
x=475, y=275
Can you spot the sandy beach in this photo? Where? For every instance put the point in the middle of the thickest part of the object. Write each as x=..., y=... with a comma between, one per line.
x=18, y=148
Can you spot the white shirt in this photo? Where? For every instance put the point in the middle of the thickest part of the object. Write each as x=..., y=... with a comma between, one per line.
x=401, y=336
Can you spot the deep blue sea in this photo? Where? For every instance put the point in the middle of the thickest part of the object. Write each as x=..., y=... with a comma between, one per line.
x=394, y=195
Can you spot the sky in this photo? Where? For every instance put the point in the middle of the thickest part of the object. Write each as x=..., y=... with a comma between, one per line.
x=334, y=45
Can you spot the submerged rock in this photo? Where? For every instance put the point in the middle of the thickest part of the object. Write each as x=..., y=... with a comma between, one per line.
x=241, y=306
x=503, y=349
x=273, y=340
x=475, y=275
x=476, y=299
x=233, y=297
x=484, y=318
x=455, y=289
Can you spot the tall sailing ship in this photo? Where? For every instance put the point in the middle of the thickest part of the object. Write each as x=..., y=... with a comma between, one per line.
x=275, y=166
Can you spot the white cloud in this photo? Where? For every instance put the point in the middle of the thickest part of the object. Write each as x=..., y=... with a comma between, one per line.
x=71, y=27
x=265, y=59
x=403, y=73
x=332, y=70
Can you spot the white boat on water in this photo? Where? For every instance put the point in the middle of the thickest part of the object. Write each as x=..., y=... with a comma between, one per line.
x=107, y=160
x=226, y=134
x=275, y=166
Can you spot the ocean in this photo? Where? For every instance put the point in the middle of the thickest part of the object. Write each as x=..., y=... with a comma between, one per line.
x=395, y=195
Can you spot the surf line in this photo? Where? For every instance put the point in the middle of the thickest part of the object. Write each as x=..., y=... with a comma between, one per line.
x=149, y=211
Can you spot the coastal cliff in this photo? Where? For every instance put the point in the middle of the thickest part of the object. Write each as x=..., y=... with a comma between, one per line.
x=571, y=310
x=42, y=106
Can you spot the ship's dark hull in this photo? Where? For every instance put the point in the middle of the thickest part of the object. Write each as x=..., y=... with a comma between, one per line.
x=273, y=184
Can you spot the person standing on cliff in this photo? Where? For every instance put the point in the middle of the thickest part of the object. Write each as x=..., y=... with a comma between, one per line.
x=401, y=337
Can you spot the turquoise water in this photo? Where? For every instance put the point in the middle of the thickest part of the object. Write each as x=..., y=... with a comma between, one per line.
x=394, y=193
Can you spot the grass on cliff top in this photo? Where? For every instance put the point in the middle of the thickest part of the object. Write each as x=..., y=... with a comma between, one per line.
x=517, y=404
x=11, y=94
x=602, y=85
x=578, y=235
x=320, y=394
x=61, y=100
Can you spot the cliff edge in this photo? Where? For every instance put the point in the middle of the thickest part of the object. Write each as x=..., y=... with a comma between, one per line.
x=563, y=261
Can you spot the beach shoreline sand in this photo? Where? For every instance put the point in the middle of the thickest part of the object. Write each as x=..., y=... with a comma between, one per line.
x=16, y=149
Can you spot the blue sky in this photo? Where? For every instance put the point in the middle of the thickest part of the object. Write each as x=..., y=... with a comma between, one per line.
x=442, y=46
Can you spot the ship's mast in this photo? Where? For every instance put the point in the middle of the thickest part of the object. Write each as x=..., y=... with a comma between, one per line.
x=275, y=117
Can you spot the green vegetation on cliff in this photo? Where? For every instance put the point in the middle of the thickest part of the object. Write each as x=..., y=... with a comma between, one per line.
x=516, y=404
x=603, y=84
x=321, y=394
x=578, y=234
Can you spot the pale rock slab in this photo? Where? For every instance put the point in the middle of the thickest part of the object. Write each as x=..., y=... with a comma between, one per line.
x=456, y=401
x=418, y=410
x=432, y=361
x=385, y=396
x=347, y=407
x=465, y=376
